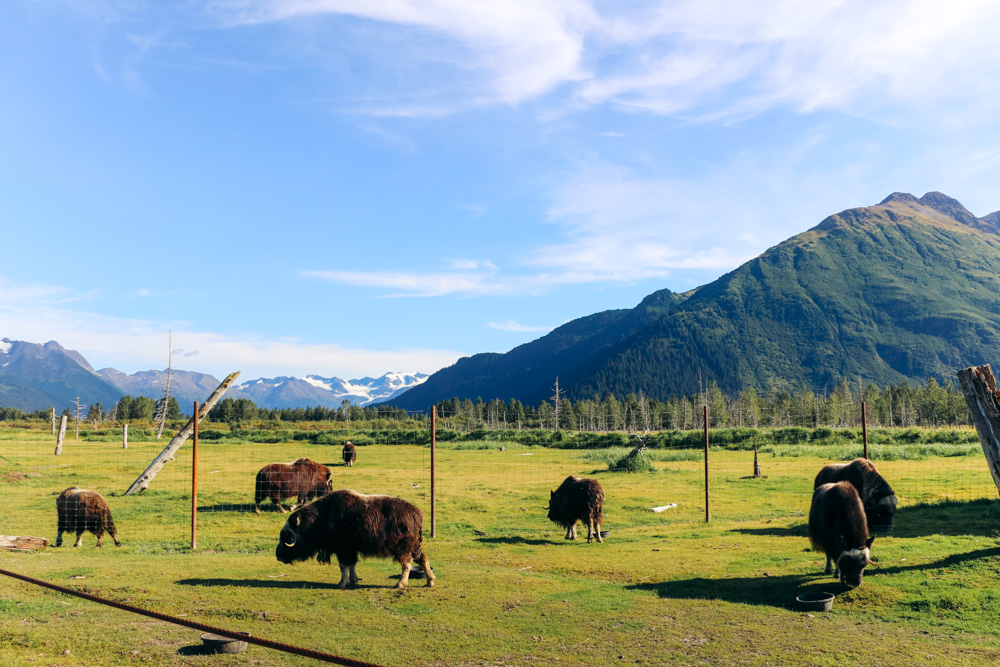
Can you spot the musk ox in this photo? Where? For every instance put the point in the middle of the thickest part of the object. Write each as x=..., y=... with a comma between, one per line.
x=81, y=510
x=877, y=496
x=302, y=477
x=346, y=524
x=350, y=453
x=578, y=499
x=837, y=526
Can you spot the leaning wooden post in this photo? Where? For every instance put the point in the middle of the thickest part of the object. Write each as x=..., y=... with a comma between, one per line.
x=983, y=399
x=708, y=513
x=433, y=477
x=194, y=482
x=864, y=426
x=125, y=436
x=61, y=436
x=142, y=482
x=52, y=418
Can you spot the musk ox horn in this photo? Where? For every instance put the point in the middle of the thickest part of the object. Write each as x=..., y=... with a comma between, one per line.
x=288, y=544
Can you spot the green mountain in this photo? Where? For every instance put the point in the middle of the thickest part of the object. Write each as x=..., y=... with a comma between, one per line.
x=902, y=291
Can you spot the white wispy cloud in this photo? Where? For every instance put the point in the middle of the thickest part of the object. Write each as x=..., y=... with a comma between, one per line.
x=37, y=313
x=525, y=47
x=511, y=325
x=711, y=57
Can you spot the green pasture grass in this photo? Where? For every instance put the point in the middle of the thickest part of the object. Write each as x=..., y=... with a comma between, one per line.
x=664, y=588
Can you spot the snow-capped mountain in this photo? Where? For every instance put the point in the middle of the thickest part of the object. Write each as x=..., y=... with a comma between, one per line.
x=34, y=377
x=292, y=392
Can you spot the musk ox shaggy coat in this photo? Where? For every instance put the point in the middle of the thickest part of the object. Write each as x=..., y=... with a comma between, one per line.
x=578, y=499
x=876, y=495
x=347, y=524
x=350, y=453
x=80, y=510
x=837, y=526
x=302, y=477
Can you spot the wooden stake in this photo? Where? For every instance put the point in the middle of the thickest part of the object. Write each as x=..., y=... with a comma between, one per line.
x=125, y=436
x=62, y=435
x=194, y=483
x=983, y=399
x=142, y=482
x=864, y=426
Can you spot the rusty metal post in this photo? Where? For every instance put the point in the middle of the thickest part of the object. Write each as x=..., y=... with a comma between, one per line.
x=433, y=477
x=194, y=482
x=708, y=513
x=864, y=426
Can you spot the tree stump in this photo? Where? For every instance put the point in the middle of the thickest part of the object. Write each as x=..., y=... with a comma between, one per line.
x=980, y=390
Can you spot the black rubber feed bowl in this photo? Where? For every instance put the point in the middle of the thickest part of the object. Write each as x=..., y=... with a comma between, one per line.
x=883, y=528
x=416, y=572
x=604, y=534
x=815, y=601
x=219, y=644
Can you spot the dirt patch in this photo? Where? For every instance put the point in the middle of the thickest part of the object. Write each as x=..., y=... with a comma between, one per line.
x=13, y=477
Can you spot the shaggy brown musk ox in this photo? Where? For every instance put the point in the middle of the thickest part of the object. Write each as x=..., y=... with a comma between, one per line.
x=80, y=510
x=876, y=495
x=350, y=453
x=578, y=499
x=302, y=477
x=837, y=526
x=347, y=524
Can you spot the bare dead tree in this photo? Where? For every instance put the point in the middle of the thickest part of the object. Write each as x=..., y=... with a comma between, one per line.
x=555, y=397
x=77, y=415
x=164, y=406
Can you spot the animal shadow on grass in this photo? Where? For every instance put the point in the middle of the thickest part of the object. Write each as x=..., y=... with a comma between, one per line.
x=517, y=540
x=797, y=530
x=773, y=591
x=972, y=517
x=261, y=583
x=781, y=591
x=241, y=507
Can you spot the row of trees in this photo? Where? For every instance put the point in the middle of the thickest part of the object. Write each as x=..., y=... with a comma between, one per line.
x=902, y=405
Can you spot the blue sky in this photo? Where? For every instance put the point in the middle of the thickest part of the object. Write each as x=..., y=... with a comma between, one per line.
x=348, y=188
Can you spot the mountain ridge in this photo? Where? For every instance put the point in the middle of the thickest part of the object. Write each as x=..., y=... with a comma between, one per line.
x=900, y=291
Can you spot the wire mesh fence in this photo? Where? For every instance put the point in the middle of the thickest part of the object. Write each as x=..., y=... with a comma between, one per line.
x=492, y=483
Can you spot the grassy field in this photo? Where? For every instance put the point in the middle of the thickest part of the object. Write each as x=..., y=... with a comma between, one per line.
x=665, y=588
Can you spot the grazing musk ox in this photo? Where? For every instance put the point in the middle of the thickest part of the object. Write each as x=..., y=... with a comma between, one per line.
x=837, y=526
x=877, y=496
x=578, y=499
x=347, y=524
x=350, y=453
x=80, y=510
x=302, y=477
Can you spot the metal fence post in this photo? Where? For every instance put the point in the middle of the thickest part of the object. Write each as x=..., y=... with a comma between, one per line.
x=433, y=477
x=708, y=512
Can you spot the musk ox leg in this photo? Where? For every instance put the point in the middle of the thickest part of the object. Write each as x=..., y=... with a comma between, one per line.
x=571, y=532
x=829, y=566
x=59, y=538
x=426, y=567
x=281, y=508
x=354, y=577
x=256, y=507
x=344, y=573
x=79, y=539
x=404, y=578
x=100, y=537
